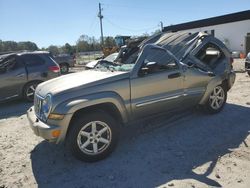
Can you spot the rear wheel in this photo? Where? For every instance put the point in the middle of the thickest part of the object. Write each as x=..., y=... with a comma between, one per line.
x=64, y=68
x=29, y=91
x=216, y=100
x=93, y=137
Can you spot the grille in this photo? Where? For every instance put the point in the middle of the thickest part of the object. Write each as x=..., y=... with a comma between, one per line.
x=37, y=105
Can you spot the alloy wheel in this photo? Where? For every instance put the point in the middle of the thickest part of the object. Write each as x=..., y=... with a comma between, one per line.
x=217, y=98
x=30, y=92
x=94, y=137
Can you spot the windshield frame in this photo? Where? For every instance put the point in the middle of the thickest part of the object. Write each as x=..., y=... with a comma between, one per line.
x=143, y=53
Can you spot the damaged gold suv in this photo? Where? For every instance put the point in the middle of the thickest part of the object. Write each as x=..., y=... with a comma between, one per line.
x=166, y=73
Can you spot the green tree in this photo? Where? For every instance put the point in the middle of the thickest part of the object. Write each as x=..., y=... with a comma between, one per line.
x=69, y=49
x=27, y=46
x=7, y=46
x=53, y=49
x=109, y=41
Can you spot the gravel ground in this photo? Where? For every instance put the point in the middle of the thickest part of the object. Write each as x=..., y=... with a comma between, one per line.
x=189, y=150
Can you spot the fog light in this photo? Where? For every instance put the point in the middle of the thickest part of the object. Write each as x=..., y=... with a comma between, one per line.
x=56, y=133
x=56, y=116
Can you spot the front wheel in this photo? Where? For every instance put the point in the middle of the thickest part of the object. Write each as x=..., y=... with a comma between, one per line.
x=29, y=91
x=93, y=137
x=216, y=100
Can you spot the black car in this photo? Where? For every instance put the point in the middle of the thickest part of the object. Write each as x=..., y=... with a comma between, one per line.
x=247, y=63
x=65, y=61
x=20, y=73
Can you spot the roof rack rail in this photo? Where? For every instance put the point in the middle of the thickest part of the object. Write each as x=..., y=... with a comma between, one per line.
x=14, y=52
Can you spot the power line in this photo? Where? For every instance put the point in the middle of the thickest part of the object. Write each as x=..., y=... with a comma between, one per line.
x=134, y=7
x=91, y=29
x=92, y=22
x=129, y=29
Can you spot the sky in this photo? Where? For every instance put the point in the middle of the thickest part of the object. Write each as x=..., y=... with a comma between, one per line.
x=56, y=22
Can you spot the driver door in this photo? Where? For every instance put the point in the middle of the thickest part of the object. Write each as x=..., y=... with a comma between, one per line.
x=13, y=76
x=158, y=87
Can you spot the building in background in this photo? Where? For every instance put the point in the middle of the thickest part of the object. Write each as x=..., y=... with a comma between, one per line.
x=232, y=29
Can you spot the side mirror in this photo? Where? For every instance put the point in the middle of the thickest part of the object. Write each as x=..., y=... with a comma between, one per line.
x=190, y=64
x=184, y=67
x=147, y=68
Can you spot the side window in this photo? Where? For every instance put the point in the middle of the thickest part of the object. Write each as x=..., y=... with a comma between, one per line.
x=33, y=60
x=9, y=64
x=162, y=61
x=210, y=55
x=49, y=59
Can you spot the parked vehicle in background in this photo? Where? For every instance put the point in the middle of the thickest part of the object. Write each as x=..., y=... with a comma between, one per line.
x=109, y=59
x=175, y=71
x=247, y=64
x=20, y=73
x=65, y=61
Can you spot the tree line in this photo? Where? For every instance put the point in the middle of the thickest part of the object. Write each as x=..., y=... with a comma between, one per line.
x=6, y=46
x=83, y=44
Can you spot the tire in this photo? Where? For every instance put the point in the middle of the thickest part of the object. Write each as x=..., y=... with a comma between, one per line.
x=218, y=94
x=248, y=73
x=29, y=91
x=64, y=68
x=96, y=145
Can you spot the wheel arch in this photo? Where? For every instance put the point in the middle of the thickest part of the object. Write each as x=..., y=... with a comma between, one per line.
x=108, y=102
x=64, y=63
x=107, y=107
x=211, y=85
x=29, y=82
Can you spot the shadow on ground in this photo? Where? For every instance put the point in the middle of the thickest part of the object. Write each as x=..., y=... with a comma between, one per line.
x=149, y=156
x=14, y=108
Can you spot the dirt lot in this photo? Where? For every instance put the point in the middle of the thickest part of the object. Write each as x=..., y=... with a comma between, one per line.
x=191, y=150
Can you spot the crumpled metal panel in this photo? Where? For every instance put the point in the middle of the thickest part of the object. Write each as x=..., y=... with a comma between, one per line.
x=177, y=43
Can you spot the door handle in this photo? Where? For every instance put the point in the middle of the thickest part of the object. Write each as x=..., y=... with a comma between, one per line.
x=174, y=75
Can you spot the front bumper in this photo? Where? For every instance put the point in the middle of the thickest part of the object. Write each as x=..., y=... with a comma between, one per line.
x=39, y=128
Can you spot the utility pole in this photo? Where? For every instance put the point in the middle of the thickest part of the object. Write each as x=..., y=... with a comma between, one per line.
x=100, y=16
x=161, y=23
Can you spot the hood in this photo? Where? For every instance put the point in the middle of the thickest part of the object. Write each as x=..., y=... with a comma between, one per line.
x=81, y=79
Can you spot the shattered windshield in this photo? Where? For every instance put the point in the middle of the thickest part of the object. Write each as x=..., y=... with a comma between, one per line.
x=124, y=65
x=111, y=57
x=108, y=66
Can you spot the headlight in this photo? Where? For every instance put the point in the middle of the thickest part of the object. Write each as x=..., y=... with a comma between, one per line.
x=46, y=106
